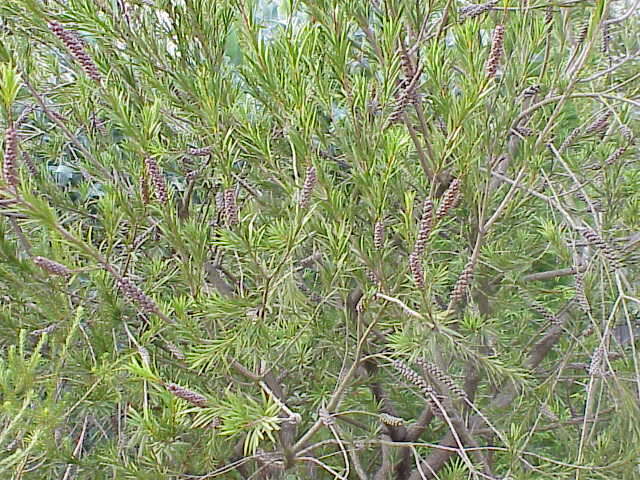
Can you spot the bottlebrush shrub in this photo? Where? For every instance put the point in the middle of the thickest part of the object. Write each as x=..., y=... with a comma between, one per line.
x=219, y=234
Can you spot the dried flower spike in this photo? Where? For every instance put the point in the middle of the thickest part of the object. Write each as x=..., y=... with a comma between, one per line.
x=463, y=282
x=407, y=65
x=531, y=91
x=400, y=106
x=543, y=312
x=609, y=253
x=524, y=131
x=157, y=178
x=54, y=268
x=437, y=373
x=581, y=33
x=497, y=50
x=627, y=134
x=135, y=295
x=599, y=124
x=378, y=235
x=230, y=206
x=615, y=156
x=48, y=329
x=415, y=265
x=412, y=377
x=581, y=298
x=76, y=46
x=373, y=277
x=571, y=138
x=28, y=161
x=309, y=184
x=145, y=191
x=548, y=16
x=174, y=350
x=9, y=167
x=450, y=199
x=475, y=10
x=188, y=395
x=199, y=152
x=595, y=203
x=426, y=224
x=595, y=366
x=220, y=201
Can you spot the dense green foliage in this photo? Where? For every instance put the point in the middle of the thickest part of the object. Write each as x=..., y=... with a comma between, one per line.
x=309, y=239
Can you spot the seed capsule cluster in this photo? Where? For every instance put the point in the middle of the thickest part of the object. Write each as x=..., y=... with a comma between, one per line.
x=378, y=235
x=48, y=329
x=595, y=203
x=403, y=99
x=220, y=201
x=390, y=420
x=415, y=265
x=524, y=131
x=426, y=224
x=407, y=92
x=145, y=191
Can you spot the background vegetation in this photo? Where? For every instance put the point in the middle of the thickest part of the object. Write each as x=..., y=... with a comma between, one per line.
x=363, y=239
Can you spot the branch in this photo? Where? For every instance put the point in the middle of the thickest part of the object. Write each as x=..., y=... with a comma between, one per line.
x=624, y=16
x=549, y=274
x=385, y=467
